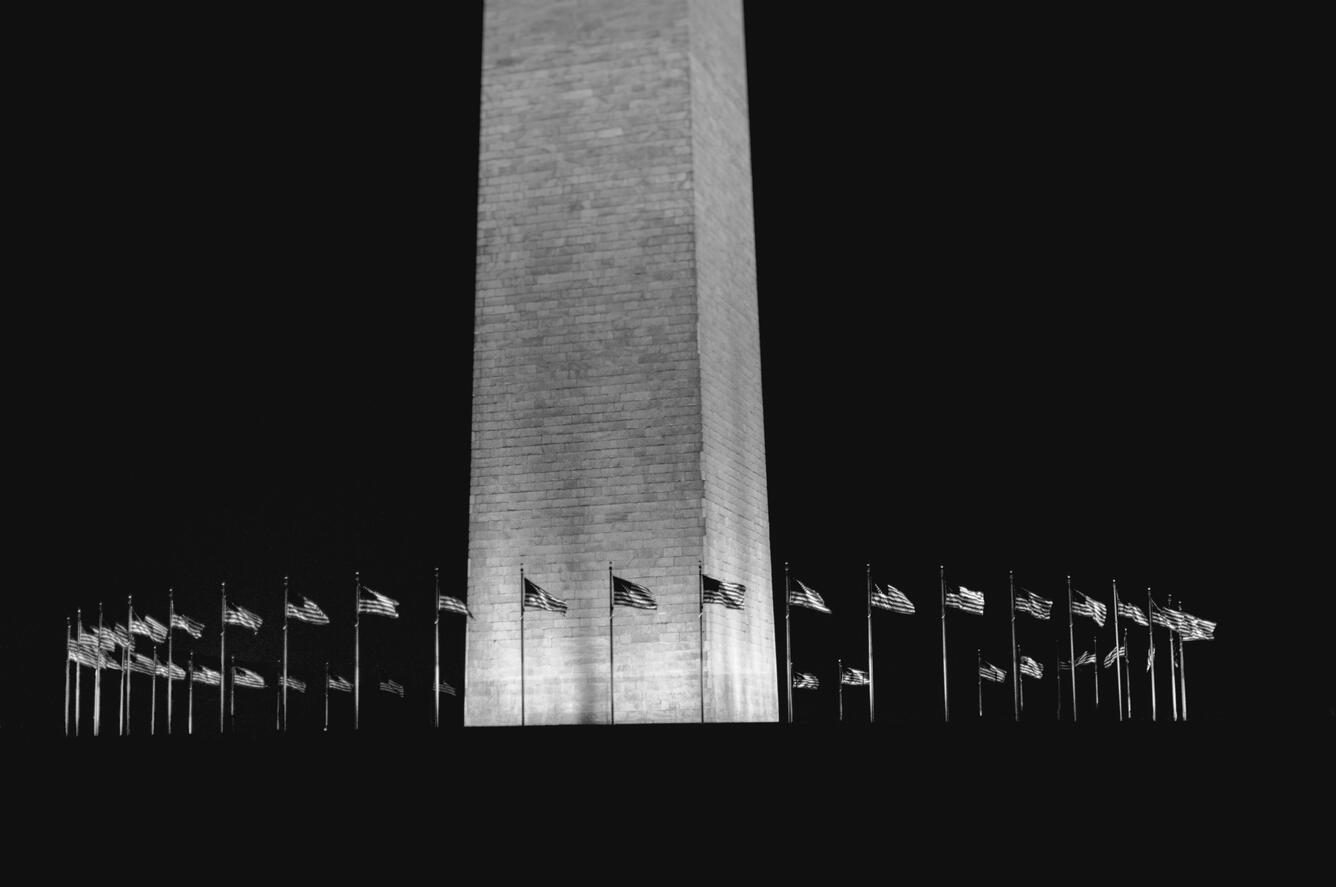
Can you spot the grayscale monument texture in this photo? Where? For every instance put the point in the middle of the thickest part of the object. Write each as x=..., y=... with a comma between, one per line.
x=616, y=373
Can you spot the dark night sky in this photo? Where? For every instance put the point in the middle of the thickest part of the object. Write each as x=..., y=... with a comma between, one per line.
x=1006, y=324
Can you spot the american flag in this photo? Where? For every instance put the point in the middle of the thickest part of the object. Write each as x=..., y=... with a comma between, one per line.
x=628, y=594
x=731, y=594
x=804, y=681
x=1199, y=630
x=1086, y=658
x=393, y=687
x=892, y=599
x=445, y=688
x=802, y=596
x=854, y=677
x=192, y=627
x=171, y=671
x=966, y=600
x=1089, y=608
x=149, y=628
x=536, y=598
x=378, y=604
x=452, y=605
x=84, y=654
x=238, y=615
x=107, y=639
x=295, y=684
x=1131, y=611
x=123, y=637
x=244, y=677
x=1034, y=605
x=341, y=684
x=206, y=675
x=141, y=664
x=309, y=611
x=1030, y=668
x=990, y=672
x=1114, y=655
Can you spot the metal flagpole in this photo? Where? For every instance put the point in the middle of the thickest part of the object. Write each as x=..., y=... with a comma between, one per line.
x=788, y=647
x=171, y=617
x=871, y=672
x=78, y=676
x=700, y=618
x=839, y=681
x=1121, y=649
x=1071, y=651
x=283, y=687
x=357, y=649
x=522, y=699
x=436, y=657
x=1021, y=691
x=1094, y=643
x=612, y=703
x=153, y=697
x=190, y=694
x=326, y=696
x=222, y=663
x=946, y=699
x=978, y=677
x=1173, y=668
x=232, y=695
x=1150, y=635
x=1183, y=676
x=1015, y=671
x=66, y=714
x=1126, y=659
x=97, y=677
x=129, y=657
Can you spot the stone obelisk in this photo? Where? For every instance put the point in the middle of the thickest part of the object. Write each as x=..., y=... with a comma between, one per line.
x=616, y=369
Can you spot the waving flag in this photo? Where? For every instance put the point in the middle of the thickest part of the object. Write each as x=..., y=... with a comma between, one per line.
x=1086, y=658
x=1198, y=629
x=1133, y=612
x=192, y=627
x=1089, y=608
x=123, y=637
x=445, y=688
x=149, y=628
x=990, y=672
x=967, y=601
x=628, y=594
x=892, y=599
x=536, y=598
x=854, y=677
x=1030, y=668
x=238, y=615
x=1114, y=655
x=449, y=604
x=340, y=684
x=804, y=681
x=294, y=684
x=244, y=677
x=1032, y=604
x=206, y=675
x=141, y=664
x=309, y=611
x=731, y=594
x=802, y=596
x=171, y=671
x=378, y=604
x=107, y=639
x=394, y=688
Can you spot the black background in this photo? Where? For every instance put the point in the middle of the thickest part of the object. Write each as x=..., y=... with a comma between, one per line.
x=1023, y=308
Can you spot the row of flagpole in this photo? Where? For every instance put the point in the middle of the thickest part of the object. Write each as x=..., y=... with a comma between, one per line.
x=90, y=648
x=1182, y=627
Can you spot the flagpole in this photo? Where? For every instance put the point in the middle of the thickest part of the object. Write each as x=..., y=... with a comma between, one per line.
x=1095, y=644
x=1071, y=651
x=66, y=714
x=612, y=703
x=700, y=618
x=153, y=698
x=120, y=694
x=326, y=696
x=171, y=617
x=788, y=646
x=1127, y=656
x=357, y=649
x=1015, y=673
x=978, y=676
x=1021, y=690
x=283, y=687
x=436, y=657
x=946, y=699
x=871, y=672
x=129, y=657
x=522, y=699
x=232, y=696
x=839, y=681
x=1183, y=676
x=1121, y=650
x=1150, y=635
x=1173, y=668
x=190, y=695
x=222, y=663
x=78, y=676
